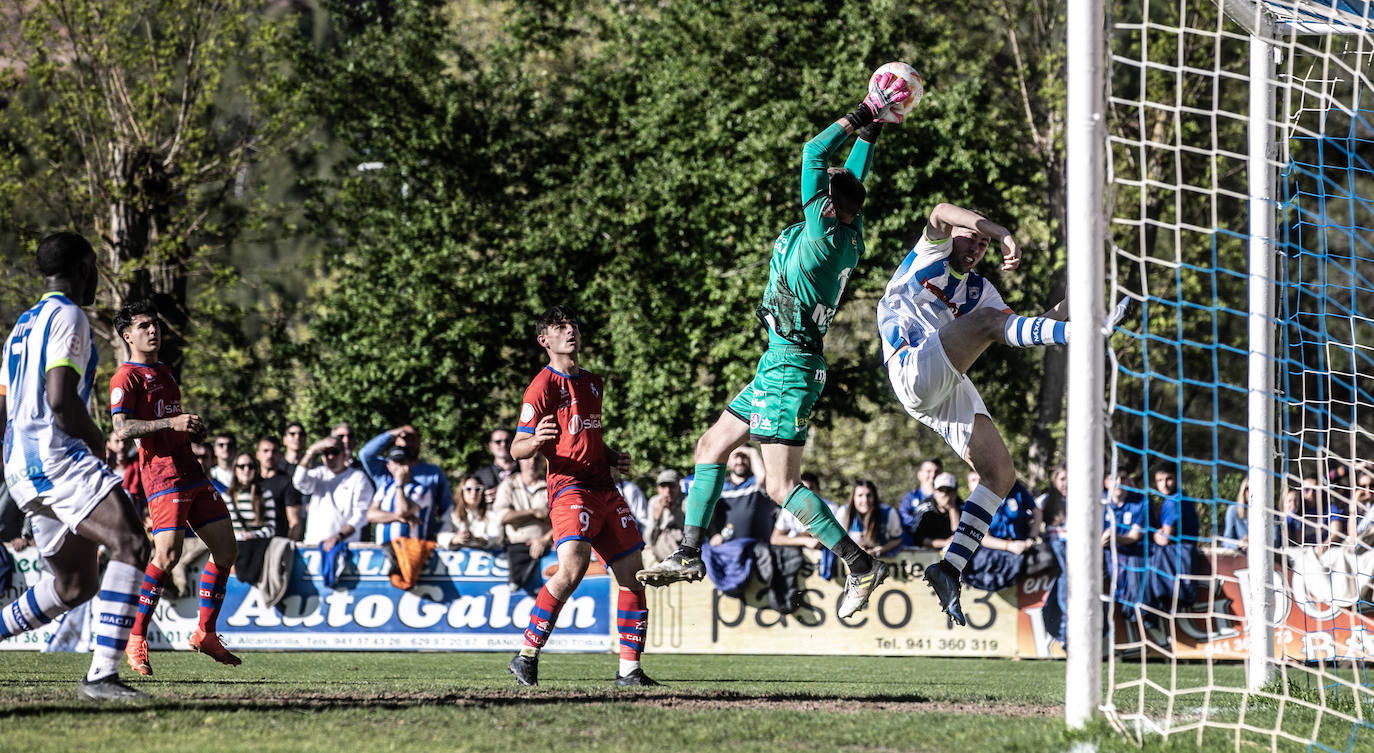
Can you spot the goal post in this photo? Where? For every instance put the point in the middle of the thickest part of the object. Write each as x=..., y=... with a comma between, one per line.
x=1085, y=131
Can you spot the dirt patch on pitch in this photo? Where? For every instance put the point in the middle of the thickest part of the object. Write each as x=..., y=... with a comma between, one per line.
x=685, y=701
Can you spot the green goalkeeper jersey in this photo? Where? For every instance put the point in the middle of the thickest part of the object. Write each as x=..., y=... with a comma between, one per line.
x=813, y=259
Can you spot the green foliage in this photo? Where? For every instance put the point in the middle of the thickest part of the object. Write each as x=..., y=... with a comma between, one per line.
x=140, y=125
x=636, y=164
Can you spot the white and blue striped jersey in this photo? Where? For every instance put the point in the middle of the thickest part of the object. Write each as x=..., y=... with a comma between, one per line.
x=925, y=293
x=55, y=332
x=386, y=501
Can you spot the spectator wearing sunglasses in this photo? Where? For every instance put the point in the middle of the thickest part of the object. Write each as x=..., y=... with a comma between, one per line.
x=224, y=448
x=472, y=523
x=339, y=495
x=502, y=466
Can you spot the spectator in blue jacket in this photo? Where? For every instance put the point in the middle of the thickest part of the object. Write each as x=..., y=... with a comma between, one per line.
x=428, y=476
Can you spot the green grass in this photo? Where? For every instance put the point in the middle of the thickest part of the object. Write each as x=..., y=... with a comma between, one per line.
x=418, y=703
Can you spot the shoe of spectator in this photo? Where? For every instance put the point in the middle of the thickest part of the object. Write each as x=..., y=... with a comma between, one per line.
x=208, y=644
x=675, y=567
x=136, y=653
x=525, y=669
x=944, y=580
x=857, y=588
x=107, y=688
x=636, y=679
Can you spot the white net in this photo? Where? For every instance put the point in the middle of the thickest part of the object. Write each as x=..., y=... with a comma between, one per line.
x=1179, y=105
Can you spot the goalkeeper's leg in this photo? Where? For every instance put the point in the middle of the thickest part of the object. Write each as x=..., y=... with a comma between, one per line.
x=713, y=448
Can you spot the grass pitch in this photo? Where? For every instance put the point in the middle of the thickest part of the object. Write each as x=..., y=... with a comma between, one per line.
x=410, y=702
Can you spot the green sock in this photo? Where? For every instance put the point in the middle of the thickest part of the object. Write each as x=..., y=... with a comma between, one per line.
x=812, y=511
x=708, y=480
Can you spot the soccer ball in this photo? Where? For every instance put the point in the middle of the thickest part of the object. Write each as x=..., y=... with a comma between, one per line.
x=913, y=82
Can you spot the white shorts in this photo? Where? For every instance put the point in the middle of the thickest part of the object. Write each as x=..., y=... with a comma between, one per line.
x=73, y=495
x=935, y=393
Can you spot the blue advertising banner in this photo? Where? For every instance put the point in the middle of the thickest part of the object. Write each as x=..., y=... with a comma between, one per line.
x=462, y=602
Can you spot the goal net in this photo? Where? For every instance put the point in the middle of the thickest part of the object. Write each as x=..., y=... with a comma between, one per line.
x=1224, y=117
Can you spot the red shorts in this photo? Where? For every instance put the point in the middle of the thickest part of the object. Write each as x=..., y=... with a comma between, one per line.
x=599, y=516
x=176, y=508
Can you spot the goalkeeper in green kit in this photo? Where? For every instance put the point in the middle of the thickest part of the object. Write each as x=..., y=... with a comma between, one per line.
x=812, y=260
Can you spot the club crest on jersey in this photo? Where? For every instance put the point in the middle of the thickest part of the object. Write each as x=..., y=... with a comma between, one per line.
x=592, y=386
x=754, y=420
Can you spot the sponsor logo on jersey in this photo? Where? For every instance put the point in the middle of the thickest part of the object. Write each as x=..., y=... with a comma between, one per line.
x=577, y=423
x=820, y=375
x=168, y=409
x=526, y=413
x=800, y=421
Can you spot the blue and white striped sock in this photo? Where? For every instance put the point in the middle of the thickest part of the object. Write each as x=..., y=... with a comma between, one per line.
x=1029, y=331
x=34, y=608
x=979, y=508
x=115, y=607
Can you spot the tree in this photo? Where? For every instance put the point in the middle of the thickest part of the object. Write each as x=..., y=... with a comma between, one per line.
x=624, y=161
x=115, y=122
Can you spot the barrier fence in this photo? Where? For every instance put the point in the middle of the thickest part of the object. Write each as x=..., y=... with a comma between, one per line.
x=463, y=603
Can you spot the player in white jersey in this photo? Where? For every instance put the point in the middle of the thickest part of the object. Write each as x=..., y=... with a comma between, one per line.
x=52, y=459
x=935, y=318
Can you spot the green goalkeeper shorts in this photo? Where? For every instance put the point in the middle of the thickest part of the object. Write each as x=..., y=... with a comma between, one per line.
x=778, y=402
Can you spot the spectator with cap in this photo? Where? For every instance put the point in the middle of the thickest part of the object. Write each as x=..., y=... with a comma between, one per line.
x=339, y=495
x=402, y=508
x=427, y=475
x=1001, y=558
x=663, y=532
x=938, y=516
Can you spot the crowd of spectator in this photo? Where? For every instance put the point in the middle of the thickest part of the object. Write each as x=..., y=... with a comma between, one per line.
x=331, y=492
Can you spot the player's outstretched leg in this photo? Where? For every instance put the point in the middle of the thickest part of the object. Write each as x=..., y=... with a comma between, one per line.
x=114, y=525
x=944, y=580
x=866, y=572
x=712, y=449
x=115, y=606
x=682, y=564
x=149, y=594
x=988, y=455
x=205, y=639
